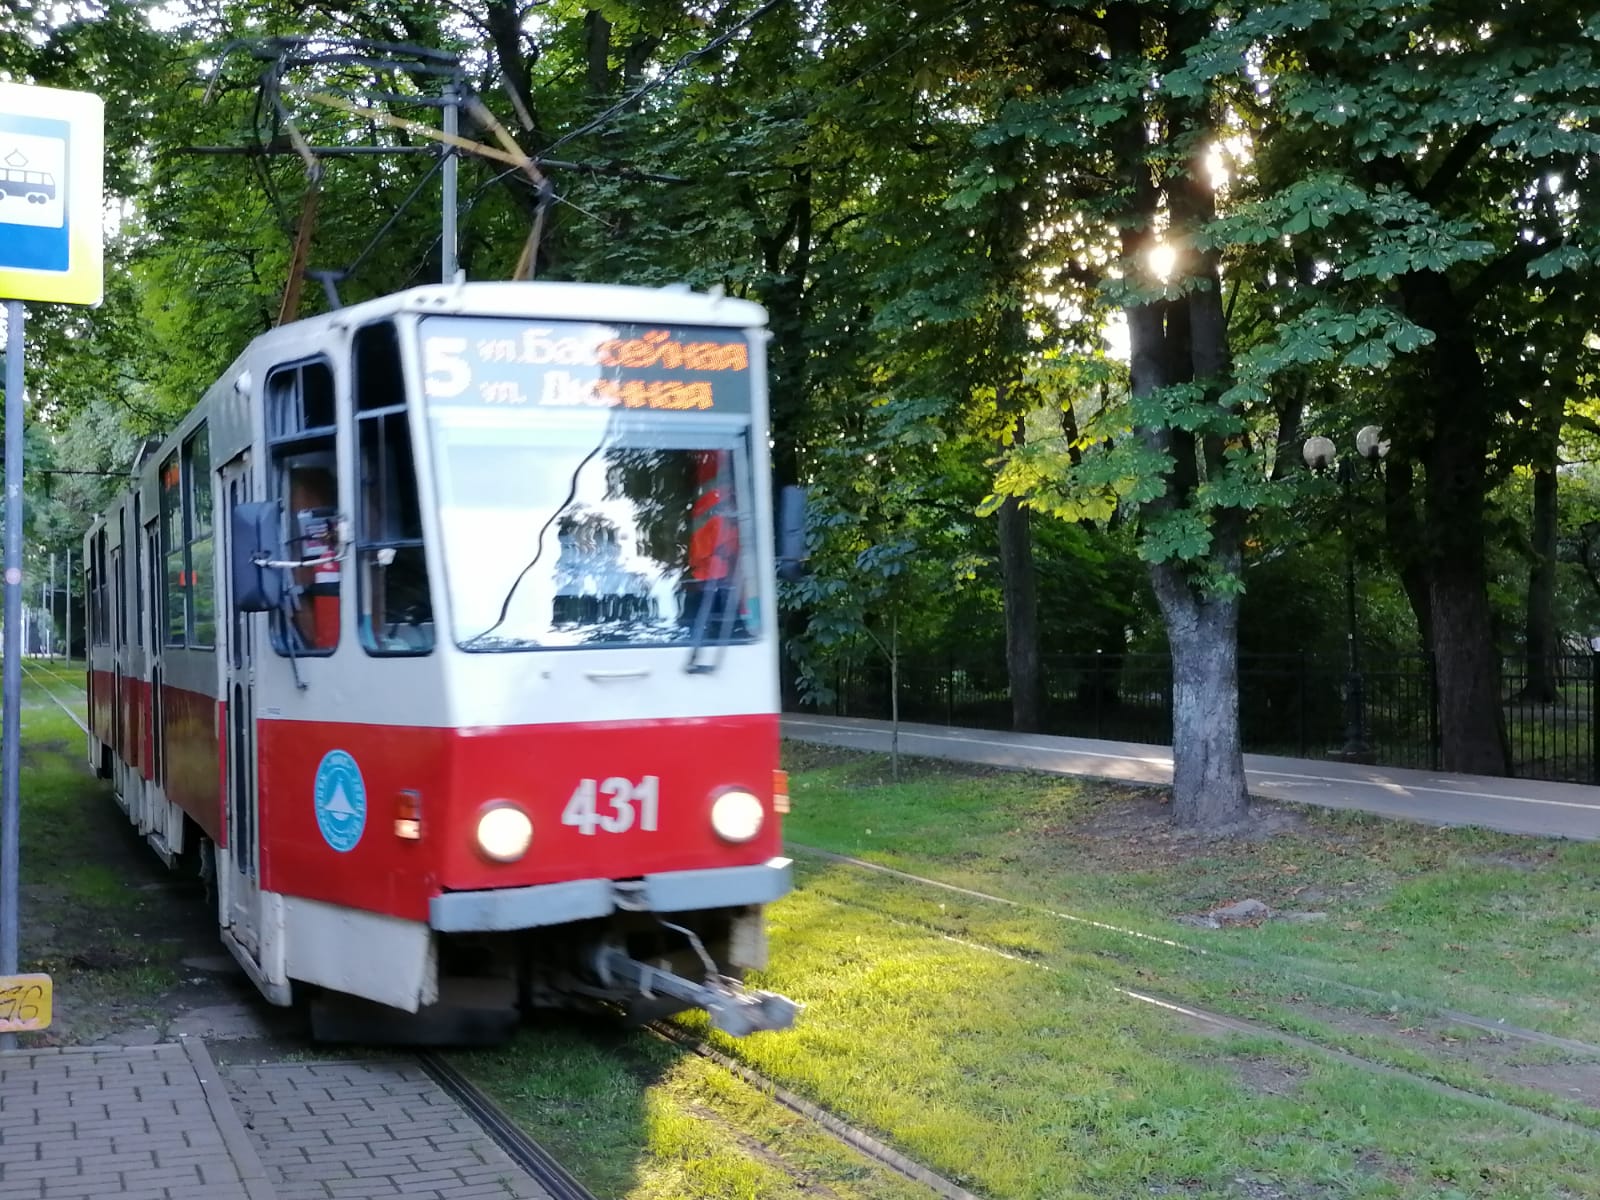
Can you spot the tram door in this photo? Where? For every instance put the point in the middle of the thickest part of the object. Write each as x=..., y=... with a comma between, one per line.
x=154, y=795
x=242, y=859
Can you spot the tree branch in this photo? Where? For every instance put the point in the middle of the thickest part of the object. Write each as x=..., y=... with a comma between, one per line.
x=1503, y=270
x=1455, y=161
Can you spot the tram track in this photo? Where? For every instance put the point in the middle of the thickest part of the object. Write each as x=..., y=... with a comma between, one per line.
x=1495, y=1026
x=857, y=1139
x=30, y=671
x=1248, y=1027
x=511, y=1137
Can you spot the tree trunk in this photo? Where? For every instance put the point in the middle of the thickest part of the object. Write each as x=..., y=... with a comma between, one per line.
x=894, y=696
x=1403, y=527
x=1454, y=395
x=1471, y=722
x=1539, y=642
x=1020, y=595
x=1173, y=342
x=1208, y=783
x=597, y=47
x=1022, y=617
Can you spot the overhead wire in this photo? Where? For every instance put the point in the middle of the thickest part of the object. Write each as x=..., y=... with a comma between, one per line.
x=666, y=76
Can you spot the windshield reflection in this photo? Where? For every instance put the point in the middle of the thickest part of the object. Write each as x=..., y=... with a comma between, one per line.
x=563, y=532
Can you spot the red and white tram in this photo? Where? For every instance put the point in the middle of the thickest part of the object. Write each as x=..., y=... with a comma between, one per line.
x=442, y=631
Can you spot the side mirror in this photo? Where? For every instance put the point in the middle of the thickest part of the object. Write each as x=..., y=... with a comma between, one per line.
x=255, y=539
x=792, y=534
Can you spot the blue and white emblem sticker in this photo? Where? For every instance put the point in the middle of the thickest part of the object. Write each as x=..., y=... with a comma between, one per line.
x=341, y=800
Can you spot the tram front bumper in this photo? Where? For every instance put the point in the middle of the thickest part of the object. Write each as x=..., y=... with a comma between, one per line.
x=502, y=909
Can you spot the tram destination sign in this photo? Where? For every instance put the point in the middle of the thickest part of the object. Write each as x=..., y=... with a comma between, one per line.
x=570, y=366
x=51, y=211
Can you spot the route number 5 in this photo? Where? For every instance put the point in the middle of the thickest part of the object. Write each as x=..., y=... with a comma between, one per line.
x=585, y=812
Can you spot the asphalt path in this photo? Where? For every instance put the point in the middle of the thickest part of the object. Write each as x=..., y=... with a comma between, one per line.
x=1526, y=806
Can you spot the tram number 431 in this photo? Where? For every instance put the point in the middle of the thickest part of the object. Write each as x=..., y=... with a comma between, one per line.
x=612, y=805
x=24, y=1003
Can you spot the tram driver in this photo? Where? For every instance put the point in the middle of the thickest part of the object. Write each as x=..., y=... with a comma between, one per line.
x=313, y=509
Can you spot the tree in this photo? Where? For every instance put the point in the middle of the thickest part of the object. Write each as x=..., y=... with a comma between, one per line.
x=1443, y=158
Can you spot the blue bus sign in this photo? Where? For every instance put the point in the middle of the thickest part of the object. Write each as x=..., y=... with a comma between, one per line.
x=51, y=152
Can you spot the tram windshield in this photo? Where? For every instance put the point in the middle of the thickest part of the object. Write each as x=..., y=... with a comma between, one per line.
x=587, y=503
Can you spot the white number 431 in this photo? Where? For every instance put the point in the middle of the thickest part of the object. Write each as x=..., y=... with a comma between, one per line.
x=584, y=810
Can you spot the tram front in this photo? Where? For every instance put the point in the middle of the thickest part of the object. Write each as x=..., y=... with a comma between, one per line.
x=595, y=487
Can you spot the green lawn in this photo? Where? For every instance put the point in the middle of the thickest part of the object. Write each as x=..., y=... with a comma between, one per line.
x=77, y=920
x=1504, y=927
x=997, y=1045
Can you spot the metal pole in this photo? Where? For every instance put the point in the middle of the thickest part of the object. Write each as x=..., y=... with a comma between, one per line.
x=447, y=241
x=50, y=612
x=1355, y=733
x=11, y=721
x=69, y=607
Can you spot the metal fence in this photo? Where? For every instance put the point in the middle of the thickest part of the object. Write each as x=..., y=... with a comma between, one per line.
x=1289, y=704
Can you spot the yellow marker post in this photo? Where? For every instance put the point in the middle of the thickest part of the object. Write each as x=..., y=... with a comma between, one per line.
x=25, y=1002
x=52, y=150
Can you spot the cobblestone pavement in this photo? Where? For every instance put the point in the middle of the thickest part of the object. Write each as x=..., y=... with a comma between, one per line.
x=360, y=1130
x=134, y=1123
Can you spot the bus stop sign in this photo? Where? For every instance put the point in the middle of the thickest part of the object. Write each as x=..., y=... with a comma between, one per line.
x=51, y=218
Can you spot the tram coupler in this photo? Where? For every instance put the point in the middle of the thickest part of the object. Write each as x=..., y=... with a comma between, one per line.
x=733, y=1008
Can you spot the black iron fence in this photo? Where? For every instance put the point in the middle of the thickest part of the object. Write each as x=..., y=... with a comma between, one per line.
x=1290, y=704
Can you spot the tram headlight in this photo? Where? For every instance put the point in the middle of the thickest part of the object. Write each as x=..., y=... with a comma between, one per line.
x=504, y=832
x=736, y=816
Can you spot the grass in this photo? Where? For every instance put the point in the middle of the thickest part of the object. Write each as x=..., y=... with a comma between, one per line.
x=635, y=1117
x=1026, y=1083
x=1504, y=927
x=991, y=1043
x=74, y=908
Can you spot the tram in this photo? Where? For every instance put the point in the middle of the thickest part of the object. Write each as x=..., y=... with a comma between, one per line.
x=440, y=636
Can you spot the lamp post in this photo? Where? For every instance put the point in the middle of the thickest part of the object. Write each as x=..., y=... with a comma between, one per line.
x=1320, y=454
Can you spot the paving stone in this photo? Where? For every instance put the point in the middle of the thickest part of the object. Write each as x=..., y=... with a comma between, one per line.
x=132, y=1122
x=394, y=1133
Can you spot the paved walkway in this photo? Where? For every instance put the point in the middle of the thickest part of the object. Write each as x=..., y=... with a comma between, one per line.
x=363, y=1130
x=1526, y=806
x=135, y=1123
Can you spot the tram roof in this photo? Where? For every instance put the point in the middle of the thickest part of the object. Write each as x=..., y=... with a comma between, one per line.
x=675, y=303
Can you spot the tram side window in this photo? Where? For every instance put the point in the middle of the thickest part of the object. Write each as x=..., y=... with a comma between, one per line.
x=305, y=476
x=175, y=590
x=119, y=584
x=396, y=613
x=138, y=576
x=202, y=630
x=101, y=635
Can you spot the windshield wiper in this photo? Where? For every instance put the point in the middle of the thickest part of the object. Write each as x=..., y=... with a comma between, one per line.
x=505, y=605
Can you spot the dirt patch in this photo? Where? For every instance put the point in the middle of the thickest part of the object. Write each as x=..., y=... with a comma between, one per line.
x=1267, y=1076
x=1143, y=815
x=1519, y=860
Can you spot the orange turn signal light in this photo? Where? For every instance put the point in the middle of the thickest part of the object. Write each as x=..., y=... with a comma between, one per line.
x=408, y=815
x=780, y=791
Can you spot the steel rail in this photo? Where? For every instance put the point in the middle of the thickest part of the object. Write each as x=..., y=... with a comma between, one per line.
x=504, y=1132
x=1429, y=1007
x=1253, y=1028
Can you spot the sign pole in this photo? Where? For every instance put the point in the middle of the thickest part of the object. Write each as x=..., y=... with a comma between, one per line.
x=11, y=724
x=52, y=142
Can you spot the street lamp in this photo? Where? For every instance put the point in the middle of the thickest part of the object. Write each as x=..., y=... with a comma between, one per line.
x=1320, y=454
